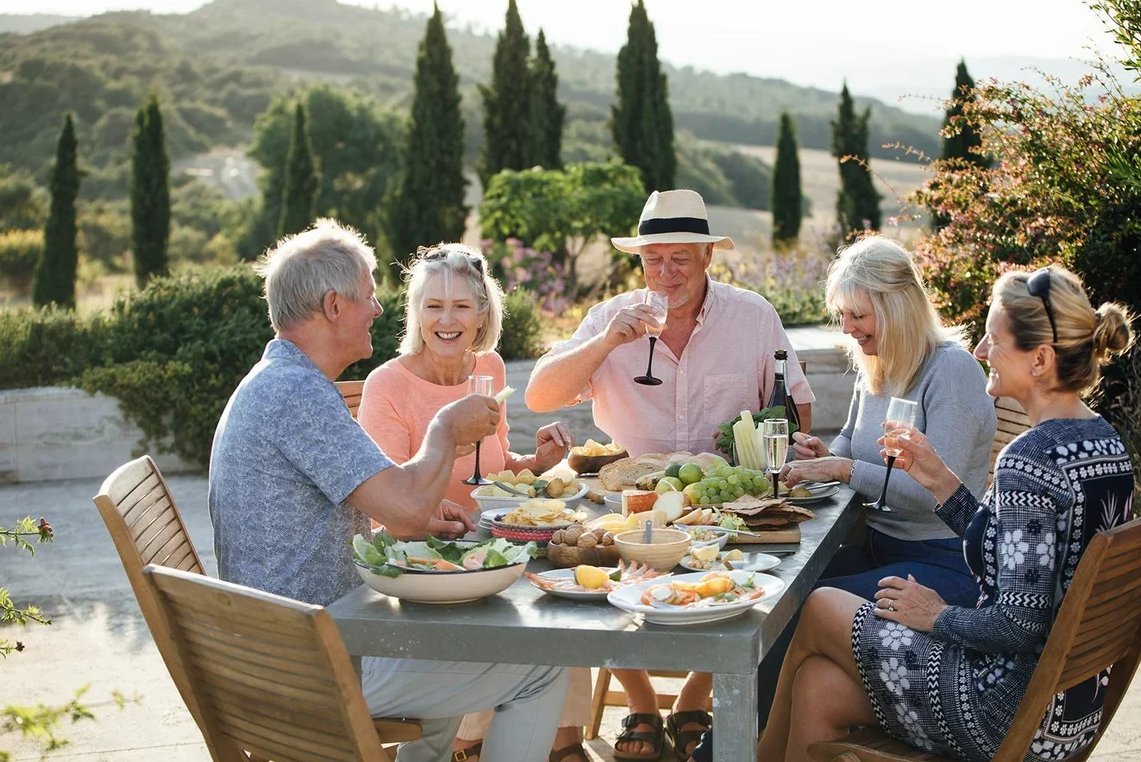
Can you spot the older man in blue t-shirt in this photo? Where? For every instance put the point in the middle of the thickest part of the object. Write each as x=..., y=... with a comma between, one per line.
x=293, y=478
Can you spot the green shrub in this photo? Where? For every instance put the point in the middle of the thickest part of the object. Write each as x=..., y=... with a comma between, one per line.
x=41, y=347
x=19, y=252
x=522, y=328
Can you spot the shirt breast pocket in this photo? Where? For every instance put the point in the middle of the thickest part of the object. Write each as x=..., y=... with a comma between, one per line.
x=725, y=395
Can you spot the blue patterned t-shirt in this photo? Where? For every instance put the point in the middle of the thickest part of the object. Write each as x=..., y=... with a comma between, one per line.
x=286, y=455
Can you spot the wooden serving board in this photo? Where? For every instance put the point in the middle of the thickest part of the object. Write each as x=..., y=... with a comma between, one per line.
x=770, y=536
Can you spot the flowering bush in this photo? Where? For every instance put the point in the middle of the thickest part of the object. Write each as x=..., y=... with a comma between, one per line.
x=790, y=278
x=520, y=267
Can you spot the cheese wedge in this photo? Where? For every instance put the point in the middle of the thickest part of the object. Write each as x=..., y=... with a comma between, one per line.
x=637, y=500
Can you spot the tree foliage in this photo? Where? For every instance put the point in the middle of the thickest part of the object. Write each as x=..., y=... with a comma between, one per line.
x=787, y=204
x=356, y=144
x=545, y=125
x=23, y=204
x=507, y=102
x=54, y=281
x=427, y=203
x=857, y=202
x=1065, y=188
x=641, y=120
x=299, y=193
x=150, y=194
x=561, y=211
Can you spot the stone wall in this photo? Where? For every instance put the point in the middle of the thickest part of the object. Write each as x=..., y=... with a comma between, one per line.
x=61, y=433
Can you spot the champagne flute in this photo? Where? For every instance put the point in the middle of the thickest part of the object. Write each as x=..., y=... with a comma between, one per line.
x=899, y=412
x=480, y=385
x=659, y=305
x=775, y=433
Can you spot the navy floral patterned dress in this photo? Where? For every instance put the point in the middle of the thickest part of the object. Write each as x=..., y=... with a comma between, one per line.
x=955, y=690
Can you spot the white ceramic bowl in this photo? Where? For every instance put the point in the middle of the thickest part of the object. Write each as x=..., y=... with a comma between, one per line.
x=506, y=504
x=720, y=539
x=613, y=502
x=665, y=549
x=444, y=587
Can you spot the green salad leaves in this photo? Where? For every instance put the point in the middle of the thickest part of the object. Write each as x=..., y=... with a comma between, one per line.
x=391, y=557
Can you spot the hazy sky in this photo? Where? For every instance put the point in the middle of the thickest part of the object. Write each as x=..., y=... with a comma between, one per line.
x=810, y=42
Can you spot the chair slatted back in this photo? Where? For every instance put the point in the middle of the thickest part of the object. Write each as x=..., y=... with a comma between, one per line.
x=1099, y=625
x=351, y=391
x=1011, y=421
x=146, y=528
x=271, y=675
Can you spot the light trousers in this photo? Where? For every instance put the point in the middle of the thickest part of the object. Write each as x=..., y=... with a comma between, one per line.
x=527, y=702
x=576, y=710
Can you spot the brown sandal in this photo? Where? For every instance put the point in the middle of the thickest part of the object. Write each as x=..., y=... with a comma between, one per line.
x=685, y=741
x=655, y=738
x=558, y=755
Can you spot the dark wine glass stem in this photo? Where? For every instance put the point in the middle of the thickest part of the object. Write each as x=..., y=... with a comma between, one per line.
x=477, y=476
x=650, y=362
x=883, y=493
x=776, y=480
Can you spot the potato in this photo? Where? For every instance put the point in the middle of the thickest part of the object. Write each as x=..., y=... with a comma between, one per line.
x=556, y=487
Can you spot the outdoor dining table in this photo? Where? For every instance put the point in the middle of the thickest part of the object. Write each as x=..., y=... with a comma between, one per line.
x=523, y=625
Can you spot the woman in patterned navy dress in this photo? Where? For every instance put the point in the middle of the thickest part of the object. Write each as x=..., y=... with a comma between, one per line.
x=949, y=679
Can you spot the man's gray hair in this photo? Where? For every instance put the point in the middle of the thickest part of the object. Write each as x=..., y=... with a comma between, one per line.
x=300, y=269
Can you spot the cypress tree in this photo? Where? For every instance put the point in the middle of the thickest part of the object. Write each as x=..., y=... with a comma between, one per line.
x=427, y=203
x=507, y=102
x=857, y=202
x=55, y=273
x=960, y=138
x=787, y=208
x=299, y=195
x=547, y=114
x=150, y=194
x=641, y=120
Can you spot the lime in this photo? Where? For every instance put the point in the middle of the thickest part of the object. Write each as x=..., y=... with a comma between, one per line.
x=672, y=469
x=669, y=484
x=590, y=577
x=689, y=473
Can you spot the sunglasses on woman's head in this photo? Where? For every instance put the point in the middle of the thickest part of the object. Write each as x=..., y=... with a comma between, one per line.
x=433, y=255
x=1039, y=285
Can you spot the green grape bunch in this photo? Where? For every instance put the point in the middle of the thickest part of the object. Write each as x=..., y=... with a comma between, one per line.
x=724, y=484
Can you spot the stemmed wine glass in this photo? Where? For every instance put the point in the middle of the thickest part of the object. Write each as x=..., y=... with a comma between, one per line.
x=898, y=412
x=775, y=433
x=480, y=385
x=659, y=305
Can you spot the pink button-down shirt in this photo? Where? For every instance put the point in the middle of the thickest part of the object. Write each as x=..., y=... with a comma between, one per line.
x=726, y=367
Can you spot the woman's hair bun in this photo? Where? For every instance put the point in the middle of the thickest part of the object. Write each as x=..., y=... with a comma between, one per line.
x=1112, y=334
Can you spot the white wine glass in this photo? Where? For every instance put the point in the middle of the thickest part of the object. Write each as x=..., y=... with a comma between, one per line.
x=899, y=412
x=660, y=306
x=480, y=385
x=775, y=434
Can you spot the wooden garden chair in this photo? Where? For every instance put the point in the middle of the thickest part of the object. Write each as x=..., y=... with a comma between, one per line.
x=1012, y=421
x=1098, y=626
x=271, y=675
x=351, y=391
x=146, y=528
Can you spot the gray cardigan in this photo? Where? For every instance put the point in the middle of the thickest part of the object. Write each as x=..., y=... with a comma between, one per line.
x=958, y=418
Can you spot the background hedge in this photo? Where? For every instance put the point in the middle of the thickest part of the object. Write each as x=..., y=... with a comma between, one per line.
x=173, y=353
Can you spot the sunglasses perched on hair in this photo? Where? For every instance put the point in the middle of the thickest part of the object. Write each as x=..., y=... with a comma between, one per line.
x=435, y=254
x=1039, y=285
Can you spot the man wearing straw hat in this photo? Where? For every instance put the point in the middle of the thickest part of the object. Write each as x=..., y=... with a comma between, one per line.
x=714, y=358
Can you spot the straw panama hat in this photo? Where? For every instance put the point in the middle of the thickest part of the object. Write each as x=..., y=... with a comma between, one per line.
x=673, y=216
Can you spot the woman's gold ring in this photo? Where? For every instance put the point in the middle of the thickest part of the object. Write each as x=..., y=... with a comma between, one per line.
x=890, y=606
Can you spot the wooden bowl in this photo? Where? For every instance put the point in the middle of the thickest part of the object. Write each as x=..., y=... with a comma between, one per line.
x=665, y=549
x=567, y=556
x=591, y=464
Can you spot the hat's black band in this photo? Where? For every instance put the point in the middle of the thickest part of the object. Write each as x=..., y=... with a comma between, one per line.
x=673, y=225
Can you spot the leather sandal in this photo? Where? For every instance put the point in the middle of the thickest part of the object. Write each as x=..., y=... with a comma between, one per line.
x=652, y=737
x=558, y=755
x=470, y=753
x=685, y=741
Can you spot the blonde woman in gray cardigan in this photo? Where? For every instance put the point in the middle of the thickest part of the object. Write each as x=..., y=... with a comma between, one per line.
x=899, y=348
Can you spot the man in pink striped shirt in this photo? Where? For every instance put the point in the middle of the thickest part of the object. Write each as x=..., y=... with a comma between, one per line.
x=715, y=359
x=715, y=356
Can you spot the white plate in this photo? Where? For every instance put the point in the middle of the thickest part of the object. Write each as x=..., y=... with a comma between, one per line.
x=754, y=562
x=815, y=497
x=591, y=595
x=506, y=504
x=630, y=599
